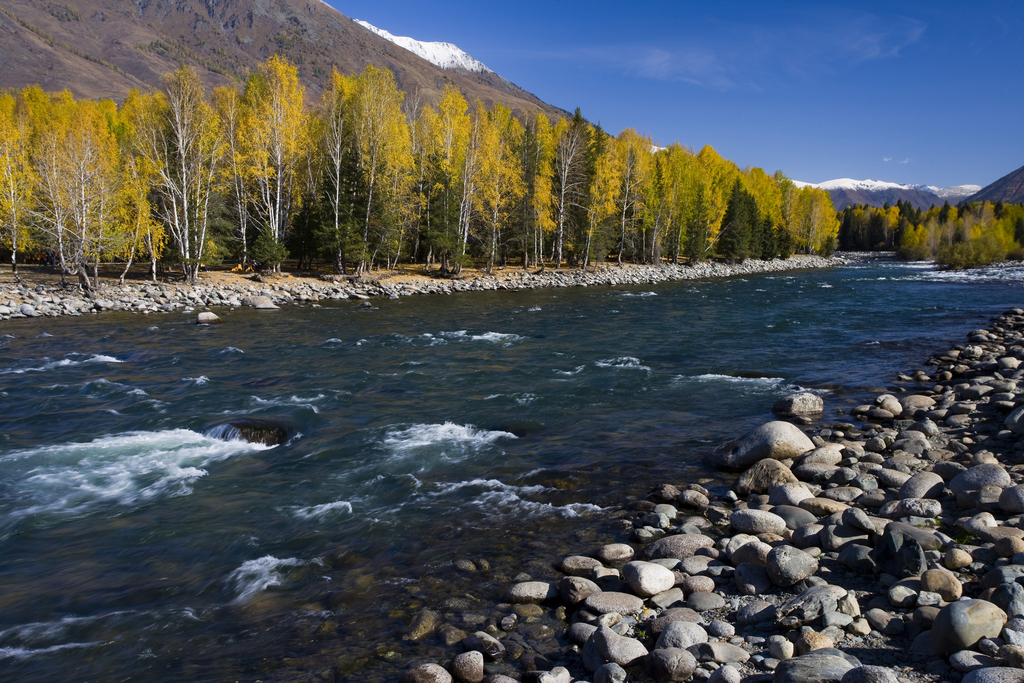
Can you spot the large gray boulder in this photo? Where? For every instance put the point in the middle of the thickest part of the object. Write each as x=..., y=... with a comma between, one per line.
x=803, y=403
x=776, y=440
x=959, y=625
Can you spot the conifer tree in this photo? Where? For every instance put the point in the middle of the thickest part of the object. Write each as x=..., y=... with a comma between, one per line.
x=737, y=224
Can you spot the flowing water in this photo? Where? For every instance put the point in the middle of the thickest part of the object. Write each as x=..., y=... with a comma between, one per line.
x=498, y=427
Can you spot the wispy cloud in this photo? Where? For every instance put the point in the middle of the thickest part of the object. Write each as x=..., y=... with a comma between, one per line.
x=906, y=161
x=886, y=158
x=754, y=56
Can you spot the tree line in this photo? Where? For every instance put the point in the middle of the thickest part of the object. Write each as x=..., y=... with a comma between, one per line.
x=956, y=237
x=368, y=178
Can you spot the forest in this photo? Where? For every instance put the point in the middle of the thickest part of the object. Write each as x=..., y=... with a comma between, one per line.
x=367, y=178
x=974, y=235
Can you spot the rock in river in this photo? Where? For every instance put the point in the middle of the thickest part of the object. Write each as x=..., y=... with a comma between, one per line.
x=776, y=440
x=803, y=403
x=264, y=430
x=207, y=318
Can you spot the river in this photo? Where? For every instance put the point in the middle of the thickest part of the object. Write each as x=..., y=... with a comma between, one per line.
x=495, y=427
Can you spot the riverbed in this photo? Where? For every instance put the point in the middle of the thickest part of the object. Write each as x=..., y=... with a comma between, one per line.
x=495, y=427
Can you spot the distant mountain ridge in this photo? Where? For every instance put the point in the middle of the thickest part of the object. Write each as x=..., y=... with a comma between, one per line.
x=103, y=48
x=1008, y=189
x=849, y=192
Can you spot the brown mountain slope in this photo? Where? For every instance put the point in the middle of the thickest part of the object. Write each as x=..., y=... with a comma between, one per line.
x=1009, y=189
x=919, y=199
x=102, y=48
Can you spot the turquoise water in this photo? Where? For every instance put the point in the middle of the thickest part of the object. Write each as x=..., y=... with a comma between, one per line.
x=425, y=430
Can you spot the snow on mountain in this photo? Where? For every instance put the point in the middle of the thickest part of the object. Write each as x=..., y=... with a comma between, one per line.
x=848, y=192
x=954, y=192
x=444, y=55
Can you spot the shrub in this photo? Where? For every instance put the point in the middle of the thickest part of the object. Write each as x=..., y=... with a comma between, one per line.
x=971, y=254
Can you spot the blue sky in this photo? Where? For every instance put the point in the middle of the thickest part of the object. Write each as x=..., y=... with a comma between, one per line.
x=910, y=92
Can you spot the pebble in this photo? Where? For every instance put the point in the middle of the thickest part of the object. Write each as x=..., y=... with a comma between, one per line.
x=682, y=634
x=943, y=583
x=610, y=673
x=531, y=591
x=870, y=674
x=787, y=565
x=820, y=666
x=670, y=664
x=469, y=667
x=647, y=579
x=702, y=602
x=615, y=648
x=615, y=553
x=606, y=602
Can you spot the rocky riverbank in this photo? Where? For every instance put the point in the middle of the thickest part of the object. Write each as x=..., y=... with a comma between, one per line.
x=20, y=300
x=888, y=549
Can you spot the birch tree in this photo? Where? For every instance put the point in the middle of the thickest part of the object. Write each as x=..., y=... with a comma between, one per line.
x=448, y=139
x=339, y=156
x=501, y=184
x=230, y=107
x=632, y=154
x=569, y=182
x=76, y=162
x=16, y=177
x=180, y=135
x=382, y=147
x=273, y=127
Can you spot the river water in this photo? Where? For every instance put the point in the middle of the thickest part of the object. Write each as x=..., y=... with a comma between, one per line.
x=496, y=427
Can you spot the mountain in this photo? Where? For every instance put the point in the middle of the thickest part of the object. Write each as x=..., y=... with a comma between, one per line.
x=103, y=48
x=847, y=192
x=444, y=55
x=1009, y=189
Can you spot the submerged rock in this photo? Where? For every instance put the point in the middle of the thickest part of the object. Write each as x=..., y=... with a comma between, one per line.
x=267, y=431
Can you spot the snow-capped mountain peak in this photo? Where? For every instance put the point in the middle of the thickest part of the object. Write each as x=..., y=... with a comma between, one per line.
x=956, y=192
x=444, y=55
